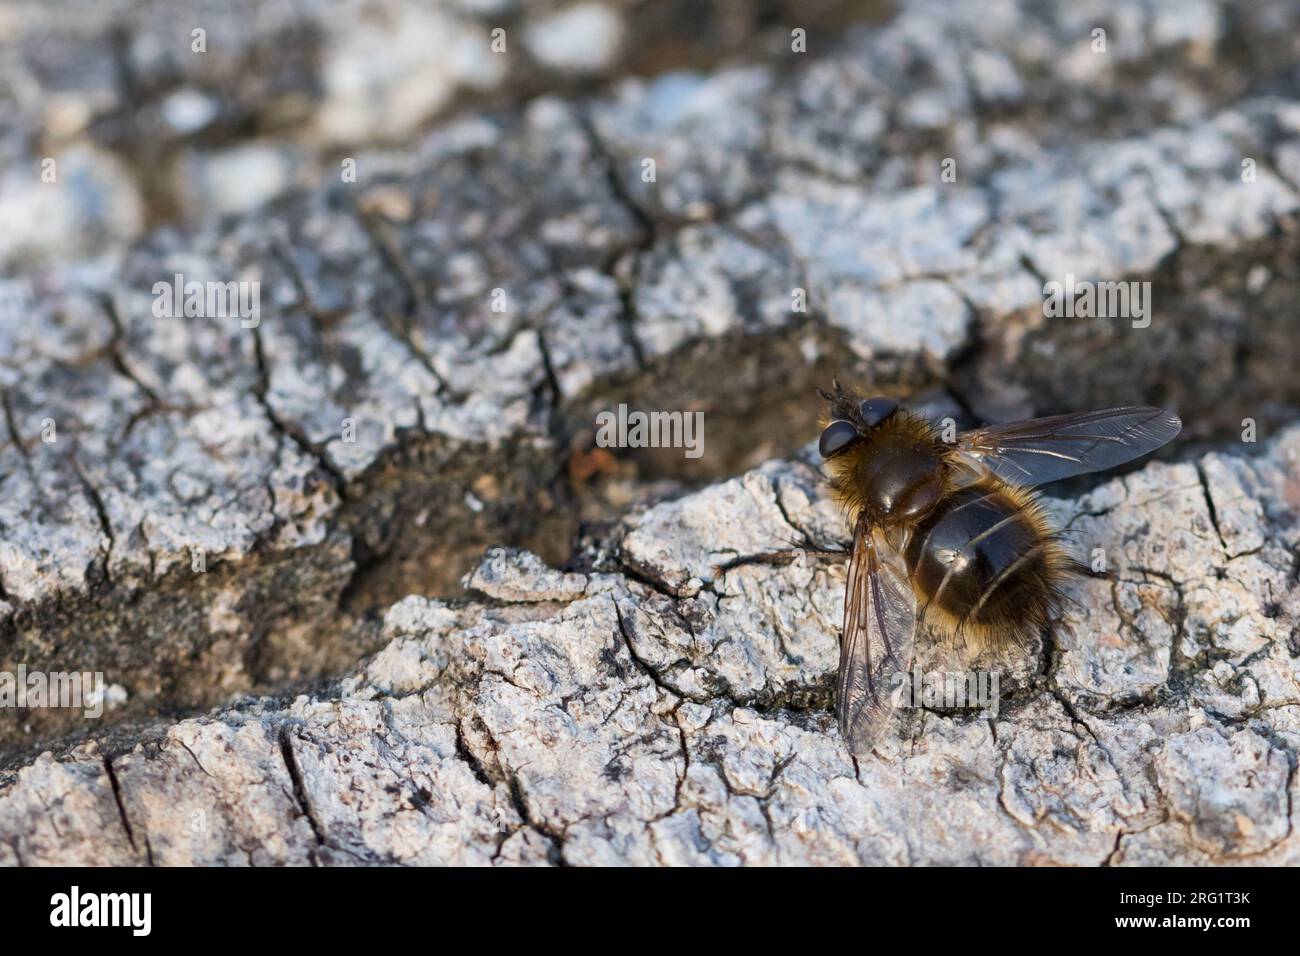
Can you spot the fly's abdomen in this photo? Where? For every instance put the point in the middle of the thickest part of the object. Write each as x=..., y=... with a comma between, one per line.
x=984, y=562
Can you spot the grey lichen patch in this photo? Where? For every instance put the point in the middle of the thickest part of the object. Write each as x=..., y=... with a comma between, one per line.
x=164, y=114
x=1228, y=789
x=53, y=819
x=512, y=575
x=199, y=824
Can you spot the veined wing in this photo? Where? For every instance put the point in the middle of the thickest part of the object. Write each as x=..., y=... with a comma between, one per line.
x=1061, y=446
x=879, y=625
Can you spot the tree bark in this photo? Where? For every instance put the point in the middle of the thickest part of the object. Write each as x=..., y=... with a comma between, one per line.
x=218, y=514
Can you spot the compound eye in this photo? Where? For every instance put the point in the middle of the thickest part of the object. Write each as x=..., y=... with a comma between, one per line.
x=836, y=437
x=876, y=410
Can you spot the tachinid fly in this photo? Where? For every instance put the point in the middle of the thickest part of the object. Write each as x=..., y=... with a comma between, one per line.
x=950, y=533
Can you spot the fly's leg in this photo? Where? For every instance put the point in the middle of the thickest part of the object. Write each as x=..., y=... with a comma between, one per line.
x=784, y=557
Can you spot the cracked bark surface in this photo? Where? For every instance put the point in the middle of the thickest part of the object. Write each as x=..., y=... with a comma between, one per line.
x=632, y=707
x=659, y=712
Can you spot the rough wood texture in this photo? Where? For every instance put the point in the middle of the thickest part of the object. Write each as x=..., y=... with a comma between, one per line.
x=671, y=715
x=635, y=708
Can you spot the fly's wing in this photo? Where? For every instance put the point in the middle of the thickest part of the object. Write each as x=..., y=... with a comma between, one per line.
x=1047, y=449
x=879, y=621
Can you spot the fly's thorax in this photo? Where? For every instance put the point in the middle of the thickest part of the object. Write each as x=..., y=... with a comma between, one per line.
x=897, y=475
